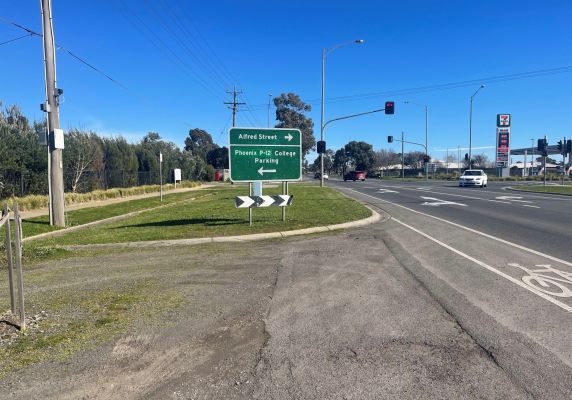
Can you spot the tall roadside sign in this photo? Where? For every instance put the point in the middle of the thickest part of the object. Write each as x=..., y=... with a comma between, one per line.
x=260, y=154
x=503, y=144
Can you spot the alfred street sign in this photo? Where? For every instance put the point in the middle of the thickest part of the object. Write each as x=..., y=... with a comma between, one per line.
x=259, y=154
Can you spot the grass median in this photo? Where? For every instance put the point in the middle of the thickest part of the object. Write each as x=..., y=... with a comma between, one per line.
x=566, y=190
x=212, y=213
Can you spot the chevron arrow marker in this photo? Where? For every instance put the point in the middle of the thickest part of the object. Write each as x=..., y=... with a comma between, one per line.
x=263, y=201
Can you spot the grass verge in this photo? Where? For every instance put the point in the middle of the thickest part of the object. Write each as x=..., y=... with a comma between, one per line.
x=214, y=214
x=567, y=190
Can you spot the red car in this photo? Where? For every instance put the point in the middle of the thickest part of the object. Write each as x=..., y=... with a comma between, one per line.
x=355, y=176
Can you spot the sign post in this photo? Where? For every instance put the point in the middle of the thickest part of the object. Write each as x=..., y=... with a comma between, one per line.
x=503, y=144
x=262, y=154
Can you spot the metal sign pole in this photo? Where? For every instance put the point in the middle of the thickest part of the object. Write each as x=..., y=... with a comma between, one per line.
x=285, y=192
x=19, y=275
x=10, y=258
x=250, y=209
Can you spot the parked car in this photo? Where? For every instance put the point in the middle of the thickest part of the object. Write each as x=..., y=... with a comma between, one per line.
x=355, y=176
x=473, y=177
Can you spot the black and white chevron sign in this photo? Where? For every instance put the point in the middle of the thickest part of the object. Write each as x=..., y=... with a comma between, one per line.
x=281, y=200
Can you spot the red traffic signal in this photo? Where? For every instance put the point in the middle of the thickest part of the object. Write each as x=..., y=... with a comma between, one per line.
x=389, y=107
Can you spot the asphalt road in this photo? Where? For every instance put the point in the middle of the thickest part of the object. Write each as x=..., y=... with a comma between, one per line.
x=499, y=261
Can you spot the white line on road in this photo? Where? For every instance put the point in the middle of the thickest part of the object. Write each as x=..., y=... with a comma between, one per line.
x=488, y=267
x=528, y=205
x=518, y=246
x=439, y=202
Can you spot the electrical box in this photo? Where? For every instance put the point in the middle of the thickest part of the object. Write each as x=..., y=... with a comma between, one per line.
x=42, y=138
x=58, y=138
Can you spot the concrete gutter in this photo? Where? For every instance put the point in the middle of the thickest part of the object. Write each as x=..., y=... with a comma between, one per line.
x=530, y=191
x=375, y=217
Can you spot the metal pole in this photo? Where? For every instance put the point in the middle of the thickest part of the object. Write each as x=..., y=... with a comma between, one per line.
x=9, y=259
x=322, y=121
x=525, y=170
x=250, y=209
x=447, y=161
x=459, y=159
x=532, y=163
x=269, y=98
x=544, y=161
x=19, y=275
x=471, y=134
x=161, y=175
x=285, y=192
x=402, y=158
x=57, y=175
x=426, y=148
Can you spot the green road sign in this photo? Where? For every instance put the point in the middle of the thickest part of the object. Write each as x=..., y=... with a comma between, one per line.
x=258, y=154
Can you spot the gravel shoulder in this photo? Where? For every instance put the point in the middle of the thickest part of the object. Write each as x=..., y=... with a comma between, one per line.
x=320, y=317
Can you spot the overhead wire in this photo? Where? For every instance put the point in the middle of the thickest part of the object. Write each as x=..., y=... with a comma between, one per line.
x=18, y=38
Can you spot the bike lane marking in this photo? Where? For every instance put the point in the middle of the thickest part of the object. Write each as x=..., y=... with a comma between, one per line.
x=489, y=268
x=523, y=281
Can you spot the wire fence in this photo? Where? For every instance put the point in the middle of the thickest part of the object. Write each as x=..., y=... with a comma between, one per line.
x=24, y=183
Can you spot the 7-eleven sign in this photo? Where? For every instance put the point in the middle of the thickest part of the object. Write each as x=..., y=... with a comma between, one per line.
x=503, y=120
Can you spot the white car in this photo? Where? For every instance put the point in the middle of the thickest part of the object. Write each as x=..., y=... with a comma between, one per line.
x=473, y=177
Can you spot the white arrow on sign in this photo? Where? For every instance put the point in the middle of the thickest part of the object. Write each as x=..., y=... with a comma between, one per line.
x=439, y=202
x=289, y=136
x=245, y=201
x=261, y=171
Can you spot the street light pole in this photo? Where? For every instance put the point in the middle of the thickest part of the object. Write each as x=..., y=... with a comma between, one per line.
x=532, y=162
x=269, y=99
x=426, y=133
x=471, y=128
x=325, y=53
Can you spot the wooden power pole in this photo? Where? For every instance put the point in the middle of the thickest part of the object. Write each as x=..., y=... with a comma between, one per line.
x=233, y=105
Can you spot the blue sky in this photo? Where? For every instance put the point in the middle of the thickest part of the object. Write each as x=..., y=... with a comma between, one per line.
x=177, y=58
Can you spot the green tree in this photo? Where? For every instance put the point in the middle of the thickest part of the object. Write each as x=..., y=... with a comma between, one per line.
x=218, y=157
x=361, y=155
x=199, y=142
x=290, y=110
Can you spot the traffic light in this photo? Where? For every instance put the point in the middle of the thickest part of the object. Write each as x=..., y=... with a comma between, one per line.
x=321, y=146
x=466, y=156
x=542, y=144
x=390, y=139
x=569, y=146
x=389, y=107
x=560, y=146
x=426, y=158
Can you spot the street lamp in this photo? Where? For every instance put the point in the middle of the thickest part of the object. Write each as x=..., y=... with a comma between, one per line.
x=471, y=128
x=269, y=99
x=426, y=135
x=325, y=53
x=532, y=163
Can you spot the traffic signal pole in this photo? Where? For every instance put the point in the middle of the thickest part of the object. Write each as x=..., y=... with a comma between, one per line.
x=52, y=103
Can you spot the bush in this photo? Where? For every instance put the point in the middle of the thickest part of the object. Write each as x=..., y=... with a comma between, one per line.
x=210, y=173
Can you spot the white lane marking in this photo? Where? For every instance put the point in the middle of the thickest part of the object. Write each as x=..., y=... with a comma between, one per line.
x=528, y=205
x=439, y=202
x=386, y=191
x=423, y=188
x=492, y=269
x=518, y=246
x=467, y=197
x=513, y=198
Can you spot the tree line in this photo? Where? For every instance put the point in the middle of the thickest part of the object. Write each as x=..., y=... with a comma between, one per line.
x=92, y=161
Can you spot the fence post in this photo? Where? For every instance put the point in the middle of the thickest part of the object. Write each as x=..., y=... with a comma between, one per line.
x=9, y=259
x=19, y=274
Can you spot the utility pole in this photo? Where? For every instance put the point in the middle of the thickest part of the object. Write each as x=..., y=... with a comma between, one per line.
x=234, y=105
x=402, y=158
x=55, y=134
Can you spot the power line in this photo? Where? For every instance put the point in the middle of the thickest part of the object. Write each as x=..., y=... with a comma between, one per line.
x=18, y=38
x=438, y=87
x=59, y=47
